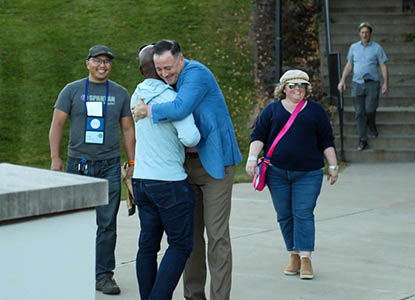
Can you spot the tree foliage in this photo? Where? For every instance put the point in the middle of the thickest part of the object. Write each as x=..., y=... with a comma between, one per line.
x=300, y=47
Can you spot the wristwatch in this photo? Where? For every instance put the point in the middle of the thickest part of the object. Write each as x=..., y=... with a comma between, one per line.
x=335, y=168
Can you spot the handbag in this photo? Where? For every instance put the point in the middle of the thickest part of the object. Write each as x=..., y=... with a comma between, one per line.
x=264, y=162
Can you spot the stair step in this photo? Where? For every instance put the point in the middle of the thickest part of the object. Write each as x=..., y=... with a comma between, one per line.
x=394, y=79
x=384, y=141
x=403, y=58
x=395, y=91
x=400, y=93
x=384, y=114
x=368, y=10
x=387, y=109
x=403, y=68
x=384, y=128
x=390, y=48
x=364, y=3
x=352, y=37
x=378, y=155
x=374, y=19
x=393, y=69
x=347, y=28
x=389, y=101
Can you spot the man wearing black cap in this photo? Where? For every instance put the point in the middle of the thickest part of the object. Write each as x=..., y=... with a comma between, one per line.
x=97, y=107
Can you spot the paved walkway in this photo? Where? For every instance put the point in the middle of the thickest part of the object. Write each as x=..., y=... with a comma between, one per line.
x=365, y=242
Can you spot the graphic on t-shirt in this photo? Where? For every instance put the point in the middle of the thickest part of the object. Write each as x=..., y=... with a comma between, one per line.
x=99, y=98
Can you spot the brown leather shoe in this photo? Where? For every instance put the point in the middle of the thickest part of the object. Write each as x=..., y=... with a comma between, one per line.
x=306, y=271
x=294, y=267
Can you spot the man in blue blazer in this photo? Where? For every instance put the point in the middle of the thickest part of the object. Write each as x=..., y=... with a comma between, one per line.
x=210, y=165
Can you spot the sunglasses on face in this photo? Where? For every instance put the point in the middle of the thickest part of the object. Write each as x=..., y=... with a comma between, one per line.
x=300, y=85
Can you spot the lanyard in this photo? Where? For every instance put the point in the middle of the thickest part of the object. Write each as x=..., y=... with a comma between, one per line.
x=106, y=96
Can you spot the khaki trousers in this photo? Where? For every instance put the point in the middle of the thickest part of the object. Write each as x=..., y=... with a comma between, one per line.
x=212, y=211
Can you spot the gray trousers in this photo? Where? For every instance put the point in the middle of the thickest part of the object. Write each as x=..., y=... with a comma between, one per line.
x=212, y=212
x=365, y=101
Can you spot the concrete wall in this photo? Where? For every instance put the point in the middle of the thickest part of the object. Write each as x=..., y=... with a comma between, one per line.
x=47, y=233
x=49, y=258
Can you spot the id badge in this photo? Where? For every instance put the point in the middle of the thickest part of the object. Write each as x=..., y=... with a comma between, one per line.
x=94, y=133
x=94, y=137
x=94, y=109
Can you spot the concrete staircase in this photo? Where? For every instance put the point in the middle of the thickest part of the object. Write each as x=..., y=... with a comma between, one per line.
x=393, y=29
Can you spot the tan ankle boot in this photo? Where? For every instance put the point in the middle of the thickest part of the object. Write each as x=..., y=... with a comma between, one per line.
x=294, y=267
x=306, y=271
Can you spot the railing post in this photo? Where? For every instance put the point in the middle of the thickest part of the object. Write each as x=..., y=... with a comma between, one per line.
x=334, y=73
x=278, y=54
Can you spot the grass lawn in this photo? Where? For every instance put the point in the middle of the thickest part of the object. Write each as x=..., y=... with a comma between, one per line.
x=44, y=44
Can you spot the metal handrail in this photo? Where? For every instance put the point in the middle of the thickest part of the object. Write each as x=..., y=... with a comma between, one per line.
x=333, y=92
x=327, y=22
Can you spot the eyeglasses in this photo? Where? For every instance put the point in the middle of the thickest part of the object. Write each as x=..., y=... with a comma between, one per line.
x=300, y=85
x=99, y=61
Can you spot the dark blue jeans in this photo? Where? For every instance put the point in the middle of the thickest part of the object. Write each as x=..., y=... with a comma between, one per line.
x=294, y=195
x=365, y=101
x=106, y=214
x=163, y=206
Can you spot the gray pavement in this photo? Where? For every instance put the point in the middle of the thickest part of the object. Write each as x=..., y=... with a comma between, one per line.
x=365, y=241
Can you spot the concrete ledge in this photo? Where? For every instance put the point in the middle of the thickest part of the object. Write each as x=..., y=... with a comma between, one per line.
x=28, y=192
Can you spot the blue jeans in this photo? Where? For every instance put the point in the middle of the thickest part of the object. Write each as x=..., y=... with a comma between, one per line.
x=294, y=195
x=162, y=206
x=365, y=101
x=109, y=169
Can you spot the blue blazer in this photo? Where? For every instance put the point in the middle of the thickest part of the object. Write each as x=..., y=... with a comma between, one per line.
x=199, y=93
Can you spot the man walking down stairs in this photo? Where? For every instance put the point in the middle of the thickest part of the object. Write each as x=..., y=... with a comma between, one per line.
x=364, y=57
x=394, y=29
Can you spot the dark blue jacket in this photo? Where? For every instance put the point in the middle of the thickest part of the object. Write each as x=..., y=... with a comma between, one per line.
x=301, y=148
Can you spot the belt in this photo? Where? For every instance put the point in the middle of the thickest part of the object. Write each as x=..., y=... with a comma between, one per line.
x=110, y=160
x=192, y=155
x=368, y=80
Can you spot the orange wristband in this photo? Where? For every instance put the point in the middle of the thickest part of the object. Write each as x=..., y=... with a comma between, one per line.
x=131, y=163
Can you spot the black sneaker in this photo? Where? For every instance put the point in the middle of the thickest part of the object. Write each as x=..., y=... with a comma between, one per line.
x=362, y=145
x=374, y=134
x=107, y=285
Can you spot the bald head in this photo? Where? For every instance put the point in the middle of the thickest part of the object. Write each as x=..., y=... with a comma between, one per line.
x=145, y=56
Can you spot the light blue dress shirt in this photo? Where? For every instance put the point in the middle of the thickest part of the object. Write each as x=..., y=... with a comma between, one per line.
x=159, y=151
x=365, y=60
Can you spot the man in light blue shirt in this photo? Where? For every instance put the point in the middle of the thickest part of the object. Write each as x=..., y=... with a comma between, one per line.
x=162, y=193
x=364, y=57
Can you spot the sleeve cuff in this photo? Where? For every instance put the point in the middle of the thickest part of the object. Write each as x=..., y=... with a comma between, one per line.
x=150, y=111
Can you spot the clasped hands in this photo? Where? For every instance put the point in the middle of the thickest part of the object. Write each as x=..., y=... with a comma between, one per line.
x=139, y=111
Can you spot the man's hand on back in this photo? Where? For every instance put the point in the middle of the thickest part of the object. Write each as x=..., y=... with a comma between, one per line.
x=139, y=111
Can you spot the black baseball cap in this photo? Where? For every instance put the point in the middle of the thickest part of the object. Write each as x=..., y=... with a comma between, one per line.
x=100, y=50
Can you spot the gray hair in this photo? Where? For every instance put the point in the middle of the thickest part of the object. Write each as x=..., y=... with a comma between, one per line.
x=365, y=24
